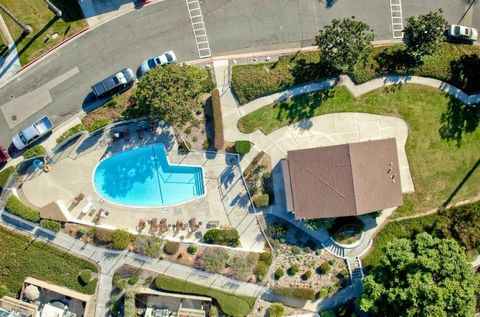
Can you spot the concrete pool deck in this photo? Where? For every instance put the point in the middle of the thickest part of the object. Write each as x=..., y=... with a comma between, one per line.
x=226, y=202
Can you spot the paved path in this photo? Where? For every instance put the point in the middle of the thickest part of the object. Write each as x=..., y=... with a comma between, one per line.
x=11, y=64
x=109, y=261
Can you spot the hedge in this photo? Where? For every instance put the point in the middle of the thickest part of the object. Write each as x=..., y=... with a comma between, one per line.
x=53, y=225
x=261, y=200
x=242, y=147
x=231, y=305
x=219, y=141
x=297, y=292
x=70, y=132
x=37, y=150
x=228, y=237
x=5, y=174
x=16, y=207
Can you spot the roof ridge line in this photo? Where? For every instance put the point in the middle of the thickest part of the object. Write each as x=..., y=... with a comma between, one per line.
x=353, y=180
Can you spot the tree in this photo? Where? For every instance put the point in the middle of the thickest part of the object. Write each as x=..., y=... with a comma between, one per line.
x=344, y=43
x=212, y=260
x=276, y=310
x=426, y=276
x=172, y=93
x=424, y=34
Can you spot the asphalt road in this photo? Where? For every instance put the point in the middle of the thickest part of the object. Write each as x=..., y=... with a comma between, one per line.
x=59, y=85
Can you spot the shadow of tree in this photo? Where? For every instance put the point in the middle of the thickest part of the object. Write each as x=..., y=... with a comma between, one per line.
x=71, y=10
x=457, y=120
x=465, y=73
x=396, y=61
x=304, y=106
x=306, y=71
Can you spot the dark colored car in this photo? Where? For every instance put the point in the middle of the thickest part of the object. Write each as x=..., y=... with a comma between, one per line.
x=114, y=83
x=4, y=157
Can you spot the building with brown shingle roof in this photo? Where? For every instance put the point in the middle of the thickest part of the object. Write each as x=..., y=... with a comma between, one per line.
x=342, y=180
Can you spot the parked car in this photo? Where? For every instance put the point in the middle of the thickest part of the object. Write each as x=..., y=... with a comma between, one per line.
x=4, y=157
x=32, y=133
x=166, y=58
x=114, y=83
x=462, y=32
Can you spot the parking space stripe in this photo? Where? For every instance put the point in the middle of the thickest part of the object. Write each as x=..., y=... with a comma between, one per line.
x=396, y=18
x=199, y=30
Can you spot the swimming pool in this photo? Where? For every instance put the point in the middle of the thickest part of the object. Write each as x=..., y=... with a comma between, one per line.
x=143, y=177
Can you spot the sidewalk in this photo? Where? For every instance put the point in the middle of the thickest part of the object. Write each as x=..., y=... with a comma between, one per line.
x=110, y=260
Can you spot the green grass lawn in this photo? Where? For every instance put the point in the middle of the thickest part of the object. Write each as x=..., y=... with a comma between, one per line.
x=254, y=80
x=442, y=146
x=36, y=14
x=19, y=259
x=232, y=305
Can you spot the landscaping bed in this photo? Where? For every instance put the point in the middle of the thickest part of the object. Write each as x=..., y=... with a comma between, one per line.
x=252, y=81
x=346, y=230
x=22, y=257
x=36, y=14
x=460, y=223
x=442, y=146
x=232, y=305
x=258, y=177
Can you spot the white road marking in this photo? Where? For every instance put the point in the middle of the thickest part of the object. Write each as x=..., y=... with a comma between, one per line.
x=397, y=19
x=198, y=26
x=19, y=109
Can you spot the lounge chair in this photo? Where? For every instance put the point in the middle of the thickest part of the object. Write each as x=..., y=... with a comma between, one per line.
x=88, y=206
x=78, y=199
x=139, y=131
x=154, y=225
x=141, y=224
x=127, y=134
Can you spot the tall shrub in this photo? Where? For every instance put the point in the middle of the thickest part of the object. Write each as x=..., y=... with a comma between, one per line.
x=217, y=120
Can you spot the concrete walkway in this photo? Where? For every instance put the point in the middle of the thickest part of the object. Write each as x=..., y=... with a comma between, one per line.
x=110, y=260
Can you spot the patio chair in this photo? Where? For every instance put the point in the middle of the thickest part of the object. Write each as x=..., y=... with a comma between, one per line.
x=154, y=225
x=78, y=199
x=98, y=216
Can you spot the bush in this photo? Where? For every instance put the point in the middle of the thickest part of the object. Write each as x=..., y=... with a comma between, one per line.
x=70, y=132
x=307, y=275
x=261, y=270
x=133, y=279
x=171, y=247
x=16, y=207
x=97, y=124
x=296, y=250
x=228, y=237
x=37, y=150
x=324, y=267
x=184, y=147
x=241, y=268
x=122, y=284
x=4, y=291
x=261, y=200
x=328, y=313
x=53, y=225
x=279, y=273
x=266, y=257
x=149, y=246
x=5, y=175
x=212, y=260
x=276, y=310
x=219, y=141
x=85, y=276
x=293, y=269
x=297, y=292
x=343, y=274
x=192, y=249
x=213, y=311
x=121, y=239
x=103, y=235
x=242, y=147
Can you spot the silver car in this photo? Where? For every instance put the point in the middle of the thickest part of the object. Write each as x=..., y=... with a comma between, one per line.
x=165, y=58
x=462, y=32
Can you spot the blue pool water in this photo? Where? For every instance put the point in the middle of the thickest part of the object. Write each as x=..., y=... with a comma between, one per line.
x=143, y=177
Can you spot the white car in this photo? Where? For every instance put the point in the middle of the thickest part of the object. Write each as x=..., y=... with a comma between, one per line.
x=462, y=32
x=32, y=133
x=166, y=58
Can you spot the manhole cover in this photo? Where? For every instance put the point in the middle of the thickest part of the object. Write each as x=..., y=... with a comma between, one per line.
x=14, y=118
